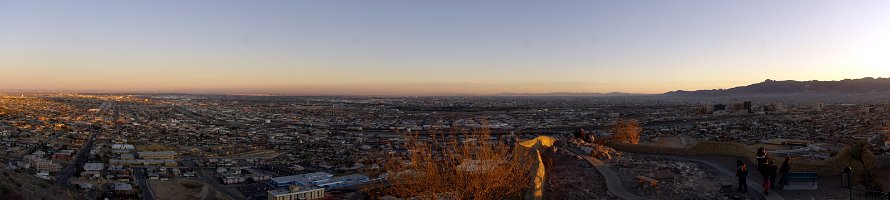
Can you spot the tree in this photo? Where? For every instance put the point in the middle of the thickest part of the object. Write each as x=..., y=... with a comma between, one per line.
x=859, y=152
x=627, y=131
x=472, y=167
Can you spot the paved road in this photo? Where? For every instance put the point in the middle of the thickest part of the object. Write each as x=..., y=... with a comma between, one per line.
x=615, y=187
x=211, y=195
x=753, y=185
x=65, y=175
x=147, y=192
x=613, y=182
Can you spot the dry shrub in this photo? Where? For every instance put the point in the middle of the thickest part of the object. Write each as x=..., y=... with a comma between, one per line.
x=627, y=131
x=604, y=152
x=598, y=151
x=446, y=167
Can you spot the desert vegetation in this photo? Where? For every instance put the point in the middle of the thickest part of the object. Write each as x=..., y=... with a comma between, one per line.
x=474, y=167
x=860, y=155
x=14, y=186
x=627, y=131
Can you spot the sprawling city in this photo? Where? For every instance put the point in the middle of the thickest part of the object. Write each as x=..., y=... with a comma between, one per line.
x=170, y=146
x=434, y=100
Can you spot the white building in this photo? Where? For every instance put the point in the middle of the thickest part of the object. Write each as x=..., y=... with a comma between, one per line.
x=93, y=166
x=122, y=146
x=296, y=193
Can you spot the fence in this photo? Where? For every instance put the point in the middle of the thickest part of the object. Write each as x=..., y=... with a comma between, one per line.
x=856, y=193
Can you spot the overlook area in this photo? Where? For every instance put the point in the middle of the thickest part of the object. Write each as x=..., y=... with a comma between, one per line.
x=444, y=100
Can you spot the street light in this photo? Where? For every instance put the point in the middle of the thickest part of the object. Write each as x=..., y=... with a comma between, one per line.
x=847, y=180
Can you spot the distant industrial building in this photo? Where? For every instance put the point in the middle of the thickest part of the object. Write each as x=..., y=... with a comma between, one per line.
x=343, y=181
x=300, y=179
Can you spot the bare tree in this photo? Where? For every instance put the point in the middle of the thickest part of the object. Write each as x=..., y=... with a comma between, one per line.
x=627, y=131
x=858, y=152
x=449, y=167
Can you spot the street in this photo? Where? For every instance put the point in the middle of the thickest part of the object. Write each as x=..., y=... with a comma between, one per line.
x=65, y=175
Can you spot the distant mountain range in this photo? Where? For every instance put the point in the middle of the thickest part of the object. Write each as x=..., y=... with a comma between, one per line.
x=846, y=86
x=571, y=94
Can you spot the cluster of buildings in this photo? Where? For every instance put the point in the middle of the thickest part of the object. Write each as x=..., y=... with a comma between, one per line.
x=116, y=141
x=311, y=185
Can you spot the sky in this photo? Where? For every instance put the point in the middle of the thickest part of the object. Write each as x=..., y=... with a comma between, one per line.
x=425, y=47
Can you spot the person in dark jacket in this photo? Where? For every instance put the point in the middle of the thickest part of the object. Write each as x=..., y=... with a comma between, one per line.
x=784, y=170
x=762, y=162
x=763, y=166
x=741, y=172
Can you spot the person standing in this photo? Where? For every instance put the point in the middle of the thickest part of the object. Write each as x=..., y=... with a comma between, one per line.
x=741, y=173
x=764, y=168
x=761, y=155
x=784, y=170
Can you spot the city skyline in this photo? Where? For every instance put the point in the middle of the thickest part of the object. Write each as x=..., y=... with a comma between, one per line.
x=429, y=48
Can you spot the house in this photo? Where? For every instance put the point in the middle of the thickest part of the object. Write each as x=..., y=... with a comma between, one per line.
x=43, y=175
x=86, y=186
x=64, y=155
x=92, y=170
x=233, y=180
x=123, y=189
x=93, y=166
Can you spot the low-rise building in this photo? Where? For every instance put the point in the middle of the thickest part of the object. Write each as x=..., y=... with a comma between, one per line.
x=157, y=155
x=300, y=179
x=295, y=193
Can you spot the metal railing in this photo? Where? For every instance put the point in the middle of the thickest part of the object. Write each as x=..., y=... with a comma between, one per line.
x=856, y=193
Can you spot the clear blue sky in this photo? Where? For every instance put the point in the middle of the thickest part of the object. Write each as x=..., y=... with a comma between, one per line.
x=432, y=47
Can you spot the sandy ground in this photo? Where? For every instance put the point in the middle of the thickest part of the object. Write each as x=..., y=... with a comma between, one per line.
x=178, y=189
x=570, y=177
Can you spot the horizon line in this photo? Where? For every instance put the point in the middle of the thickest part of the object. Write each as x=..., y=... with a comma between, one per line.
x=234, y=92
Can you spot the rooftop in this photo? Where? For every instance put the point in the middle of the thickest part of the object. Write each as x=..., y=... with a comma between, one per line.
x=302, y=179
x=93, y=166
x=156, y=153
